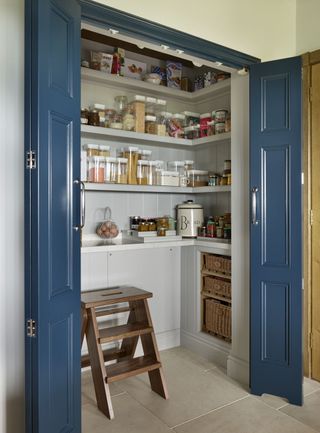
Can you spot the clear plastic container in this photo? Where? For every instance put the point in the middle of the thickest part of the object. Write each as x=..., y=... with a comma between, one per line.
x=109, y=114
x=211, y=128
x=168, y=178
x=129, y=120
x=117, y=121
x=142, y=172
x=192, y=132
x=175, y=125
x=139, y=107
x=152, y=173
x=110, y=170
x=146, y=155
x=163, y=119
x=132, y=155
x=104, y=150
x=96, y=169
x=91, y=149
x=177, y=166
x=151, y=106
x=151, y=124
x=120, y=103
x=198, y=178
x=122, y=170
x=188, y=165
x=191, y=118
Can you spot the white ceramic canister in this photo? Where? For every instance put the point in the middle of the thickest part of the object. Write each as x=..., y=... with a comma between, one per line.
x=189, y=218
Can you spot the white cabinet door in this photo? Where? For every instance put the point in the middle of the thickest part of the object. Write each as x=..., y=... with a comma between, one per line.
x=156, y=270
x=94, y=271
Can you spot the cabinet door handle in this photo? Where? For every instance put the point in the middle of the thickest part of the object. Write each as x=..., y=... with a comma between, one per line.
x=82, y=204
x=254, y=191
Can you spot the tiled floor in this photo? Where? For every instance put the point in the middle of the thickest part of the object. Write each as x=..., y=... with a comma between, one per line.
x=202, y=400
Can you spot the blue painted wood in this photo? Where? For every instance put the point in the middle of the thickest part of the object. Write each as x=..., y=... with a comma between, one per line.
x=132, y=25
x=52, y=203
x=276, y=255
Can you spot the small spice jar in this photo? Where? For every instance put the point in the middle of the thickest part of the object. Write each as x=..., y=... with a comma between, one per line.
x=227, y=125
x=214, y=180
x=96, y=169
x=211, y=228
x=143, y=226
x=94, y=119
x=220, y=233
x=152, y=225
x=122, y=170
x=142, y=172
x=163, y=222
x=161, y=231
x=211, y=128
x=84, y=116
x=151, y=124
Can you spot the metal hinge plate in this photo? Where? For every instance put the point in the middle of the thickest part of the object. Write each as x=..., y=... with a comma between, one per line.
x=311, y=217
x=31, y=328
x=31, y=160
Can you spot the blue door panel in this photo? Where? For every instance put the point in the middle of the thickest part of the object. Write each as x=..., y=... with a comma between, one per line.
x=54, y=57
x=276, y=261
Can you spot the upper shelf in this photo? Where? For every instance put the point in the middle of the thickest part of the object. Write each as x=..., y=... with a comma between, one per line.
x=153, y=89
x=104, y=187
x=138, y=138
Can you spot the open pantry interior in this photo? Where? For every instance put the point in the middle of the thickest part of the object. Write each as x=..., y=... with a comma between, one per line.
x=174, y=267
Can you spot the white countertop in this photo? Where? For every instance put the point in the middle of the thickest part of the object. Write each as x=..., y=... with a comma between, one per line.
x=96, y=245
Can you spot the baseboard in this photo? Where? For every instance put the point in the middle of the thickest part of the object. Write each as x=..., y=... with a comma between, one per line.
x=208, y=347
x=239, y=370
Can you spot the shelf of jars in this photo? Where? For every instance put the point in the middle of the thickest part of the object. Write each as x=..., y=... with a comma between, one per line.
x=109, y=187
x=115, y=81
x=132, y=137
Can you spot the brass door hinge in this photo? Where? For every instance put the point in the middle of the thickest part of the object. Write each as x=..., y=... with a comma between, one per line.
x=311, y=217
x=31, y=328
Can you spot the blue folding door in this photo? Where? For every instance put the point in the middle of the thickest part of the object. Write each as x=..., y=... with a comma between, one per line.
x=52, y=211
x=276, y=257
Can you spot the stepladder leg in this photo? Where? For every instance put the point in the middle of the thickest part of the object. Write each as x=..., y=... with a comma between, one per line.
x=98, y=368
x=129, y=345
x=84, y=323
x=149, y=345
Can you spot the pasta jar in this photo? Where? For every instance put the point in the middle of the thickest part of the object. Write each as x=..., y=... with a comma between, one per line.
x=129, y=120
x=96, y=169
x=110, y=170
x=104, y=150
x=151, y=124
x=132, y=155
x=204, y=119
x=92, y=149
x=152, y=173
x=122, y=170
x=142, y=172
x=145, y=154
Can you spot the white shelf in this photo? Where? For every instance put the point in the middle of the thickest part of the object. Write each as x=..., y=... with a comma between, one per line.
x=109, y=187
x=138, y=137
x=152, y=89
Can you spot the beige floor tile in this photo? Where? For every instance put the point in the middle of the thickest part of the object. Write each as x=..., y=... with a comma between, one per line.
x=309, y=413
x=130, y=417
x=245, y=416
x=87, y=388
x=310, y=386
x=180, y=354
x=192, y=392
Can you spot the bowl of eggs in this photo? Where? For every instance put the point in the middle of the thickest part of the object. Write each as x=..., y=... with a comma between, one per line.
x=107, y=229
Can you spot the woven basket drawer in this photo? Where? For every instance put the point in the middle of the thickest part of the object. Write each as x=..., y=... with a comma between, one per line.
x=215, y=263
x=218, y=318
x=217, y=286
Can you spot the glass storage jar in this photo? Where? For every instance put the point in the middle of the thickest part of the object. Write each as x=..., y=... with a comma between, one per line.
x=110, y=170
x=152, y=173
x=177, y=166
x=84, y=116
x=132, y=155
x=197, y=178
x=142, y=172
x=122, y=170
x=109, y=114
x=117, y=121
x=163, y=119
x=94, y=119
x=139, y=106
x=96, y=169
x=151, y=124
x=128, y=118
x=120, y=102
x=145, y=154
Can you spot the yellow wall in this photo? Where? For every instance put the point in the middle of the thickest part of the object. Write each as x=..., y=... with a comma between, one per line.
x=262, y=28
x=308, y=26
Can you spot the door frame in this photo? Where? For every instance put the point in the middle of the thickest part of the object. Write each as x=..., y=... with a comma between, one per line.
x=308, y=60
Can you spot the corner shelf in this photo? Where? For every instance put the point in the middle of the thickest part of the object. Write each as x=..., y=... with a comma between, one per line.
x=110, y=187
x=150, y=139
x=150, y=89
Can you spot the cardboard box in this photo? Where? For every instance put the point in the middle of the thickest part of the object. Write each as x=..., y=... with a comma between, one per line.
x=174, y=72
x=134, y=69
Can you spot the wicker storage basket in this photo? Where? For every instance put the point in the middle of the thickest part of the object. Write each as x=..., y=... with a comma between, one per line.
x=216, y=263
x=218, y=318
x=217, y=286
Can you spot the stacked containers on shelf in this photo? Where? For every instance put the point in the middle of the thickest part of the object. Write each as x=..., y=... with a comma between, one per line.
x=132, y=155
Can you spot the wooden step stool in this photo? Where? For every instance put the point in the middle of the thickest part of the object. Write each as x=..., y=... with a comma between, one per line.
x=97, y=303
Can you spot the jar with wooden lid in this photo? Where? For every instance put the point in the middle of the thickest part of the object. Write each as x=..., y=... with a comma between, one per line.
x=142, y=172
x=132, y=155
x=151, y=124
x=96, y=169
x=122, y=170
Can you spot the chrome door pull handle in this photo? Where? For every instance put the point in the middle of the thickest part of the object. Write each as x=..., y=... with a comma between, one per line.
x=254, y=191
x=82, y=205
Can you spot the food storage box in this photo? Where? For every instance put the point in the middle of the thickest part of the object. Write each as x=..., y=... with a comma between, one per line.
x=101, y=61
x=174, y=71
x=134, y=69
x=168, y=178
x=197, y=178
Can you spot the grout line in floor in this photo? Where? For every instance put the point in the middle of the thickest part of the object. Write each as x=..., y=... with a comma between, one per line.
x=300, y=422
x=211, y=411
x=306, y=395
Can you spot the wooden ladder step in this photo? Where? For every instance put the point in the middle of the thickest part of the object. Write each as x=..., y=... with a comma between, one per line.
x=108, y=355
x=108, y=312
x=123, y=331
x=131, y=367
